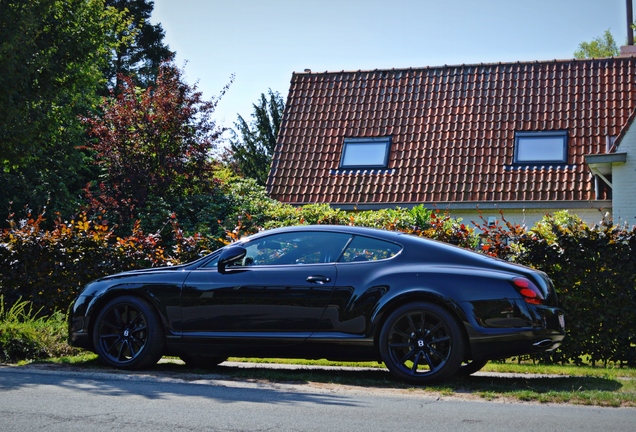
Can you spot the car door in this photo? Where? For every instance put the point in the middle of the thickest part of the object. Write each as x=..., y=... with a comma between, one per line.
x=365, y=274
x=277, y=293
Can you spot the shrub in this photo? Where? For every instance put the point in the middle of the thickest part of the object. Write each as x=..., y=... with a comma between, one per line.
x=311, y=214
x=248, y=206
x=594, y=269
x=49, y=267
x=26, y=336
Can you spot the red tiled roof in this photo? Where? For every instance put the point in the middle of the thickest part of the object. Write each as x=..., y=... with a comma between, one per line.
x=452, y=130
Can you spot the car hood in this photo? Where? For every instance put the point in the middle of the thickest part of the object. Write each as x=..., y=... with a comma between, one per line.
x=152, y=270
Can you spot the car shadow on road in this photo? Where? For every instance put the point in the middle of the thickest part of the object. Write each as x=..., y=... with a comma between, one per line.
x=265, y=380
x=382, y=378
x=157, y=385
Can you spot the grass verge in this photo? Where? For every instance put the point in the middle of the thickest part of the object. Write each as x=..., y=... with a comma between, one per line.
x=508, y=381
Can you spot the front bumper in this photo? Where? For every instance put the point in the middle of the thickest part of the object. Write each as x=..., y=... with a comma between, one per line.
x=78, y=329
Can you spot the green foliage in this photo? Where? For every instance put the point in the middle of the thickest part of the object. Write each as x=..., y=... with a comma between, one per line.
x=421, y=217
x=140, y=49
x=272, y=214
x=604, y=46
x=396, y=219
x=24, y=335
x=594, y=269
x=51, y=56
x=57, y=57
x=252, y=211
x=311, y=214
x=449, y=230
x=251, y=154
x=247, y=208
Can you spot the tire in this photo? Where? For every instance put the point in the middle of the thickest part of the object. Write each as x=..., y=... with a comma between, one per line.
x=128, y=334
x=202, y=362
x=470, y=367
x=422, y=343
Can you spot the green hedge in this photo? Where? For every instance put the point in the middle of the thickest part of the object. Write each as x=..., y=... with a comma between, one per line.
x=593, y=268
x=48, y=267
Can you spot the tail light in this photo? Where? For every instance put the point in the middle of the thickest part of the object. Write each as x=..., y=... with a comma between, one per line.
x=529, y=291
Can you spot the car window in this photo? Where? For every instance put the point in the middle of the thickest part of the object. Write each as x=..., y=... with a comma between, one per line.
x=295, y=248
x=369, y=249
x=213, y=262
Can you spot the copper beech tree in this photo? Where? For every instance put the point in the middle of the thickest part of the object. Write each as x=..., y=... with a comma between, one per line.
x=152, y=144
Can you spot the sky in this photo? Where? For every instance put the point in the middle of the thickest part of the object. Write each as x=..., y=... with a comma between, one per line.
x=262, y=42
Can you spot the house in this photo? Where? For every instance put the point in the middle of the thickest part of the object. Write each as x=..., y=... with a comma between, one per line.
x=527, y=138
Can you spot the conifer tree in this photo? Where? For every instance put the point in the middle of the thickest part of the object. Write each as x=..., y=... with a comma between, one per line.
x=252, y=147
x=141, y=49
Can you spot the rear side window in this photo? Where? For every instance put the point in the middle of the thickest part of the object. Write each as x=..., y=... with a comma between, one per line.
x=369, y=249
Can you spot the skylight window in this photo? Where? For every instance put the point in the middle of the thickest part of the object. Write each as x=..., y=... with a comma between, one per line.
x=541, y=147
x=365, y=152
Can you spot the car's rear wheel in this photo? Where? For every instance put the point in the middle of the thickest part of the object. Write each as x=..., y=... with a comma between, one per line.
x=128, y=334
x=470, y=367
x=421, y=343
x=202, y=362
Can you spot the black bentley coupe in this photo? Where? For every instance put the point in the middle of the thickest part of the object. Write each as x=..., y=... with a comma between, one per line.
x=428, y=310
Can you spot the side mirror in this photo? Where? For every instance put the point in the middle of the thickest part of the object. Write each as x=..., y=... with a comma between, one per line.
x=230, y=255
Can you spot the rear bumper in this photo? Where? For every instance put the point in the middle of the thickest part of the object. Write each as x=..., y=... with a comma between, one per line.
x=495, y=347
x=537, y=329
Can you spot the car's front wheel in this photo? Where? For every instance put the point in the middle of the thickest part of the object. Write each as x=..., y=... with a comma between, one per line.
x=128, y=334
x=421, y=343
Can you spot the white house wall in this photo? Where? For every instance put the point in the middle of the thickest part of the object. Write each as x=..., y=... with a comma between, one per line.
x=624, y=180
x=529, y=217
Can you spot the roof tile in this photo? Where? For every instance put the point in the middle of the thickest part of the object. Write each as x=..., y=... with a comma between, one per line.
x=452, y=130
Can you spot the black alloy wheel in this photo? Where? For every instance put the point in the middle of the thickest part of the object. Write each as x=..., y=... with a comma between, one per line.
x=422, y=343
x=128, y=334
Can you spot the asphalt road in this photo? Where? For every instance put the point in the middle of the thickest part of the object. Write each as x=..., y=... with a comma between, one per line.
x=33, y=399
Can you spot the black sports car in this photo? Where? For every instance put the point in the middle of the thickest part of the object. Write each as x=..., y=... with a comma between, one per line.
x=427, y=309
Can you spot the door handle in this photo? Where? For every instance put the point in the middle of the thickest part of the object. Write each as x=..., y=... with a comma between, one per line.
x=318, y=279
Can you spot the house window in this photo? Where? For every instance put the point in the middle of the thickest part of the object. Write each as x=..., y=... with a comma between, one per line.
x=365, y=152
x=541, y=147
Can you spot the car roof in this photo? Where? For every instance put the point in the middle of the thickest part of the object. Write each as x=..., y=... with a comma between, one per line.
x=372, y=232
x=445, y=252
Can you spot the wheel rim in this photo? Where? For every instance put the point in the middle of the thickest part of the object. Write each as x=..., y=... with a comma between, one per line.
x=123, y=333
x=419, y=343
